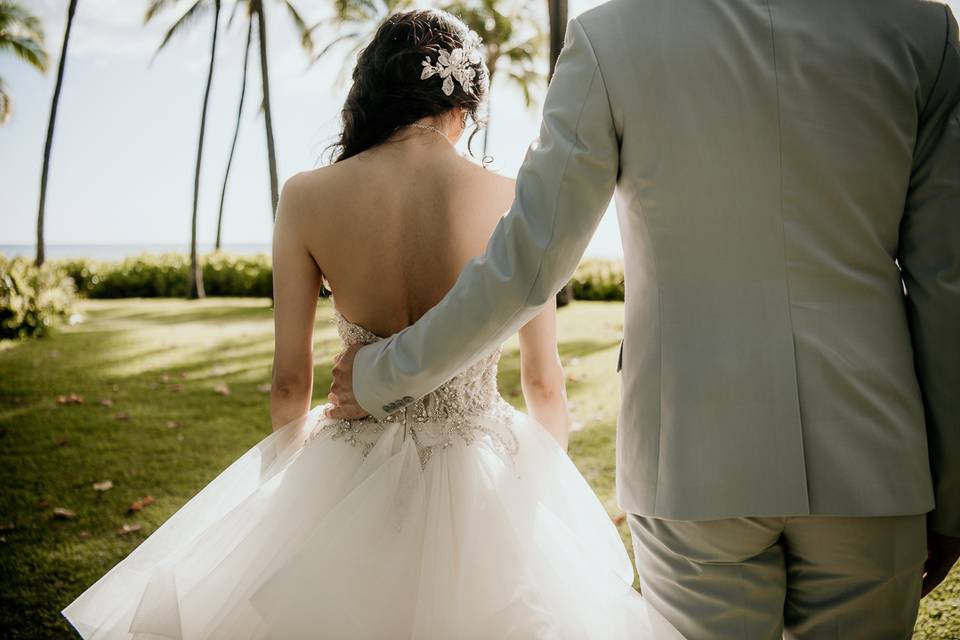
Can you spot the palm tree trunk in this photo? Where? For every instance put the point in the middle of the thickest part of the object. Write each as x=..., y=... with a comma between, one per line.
x=236, y=131
x=558, y=30
x=48, y=146
x=195, y=277
x=267, y=114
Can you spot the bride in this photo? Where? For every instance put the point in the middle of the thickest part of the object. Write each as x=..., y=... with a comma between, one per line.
x=456, y=517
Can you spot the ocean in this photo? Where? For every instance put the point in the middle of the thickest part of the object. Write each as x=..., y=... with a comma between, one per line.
x=120, y=251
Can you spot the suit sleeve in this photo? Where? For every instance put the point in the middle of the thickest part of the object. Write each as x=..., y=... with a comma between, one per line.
x=563, y=189
x=930, y=259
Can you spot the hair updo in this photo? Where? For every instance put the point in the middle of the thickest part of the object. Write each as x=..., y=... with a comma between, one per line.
x=388, y=92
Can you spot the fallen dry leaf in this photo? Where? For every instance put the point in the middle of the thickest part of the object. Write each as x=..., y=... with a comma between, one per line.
x=123, y=415
x=72, y=398
x=221, y=388
x=62, y=512
x=137, y=505
x=128, y=528
x=106, y=402
x=105, y=485
x=264, y=388
x=174, y=424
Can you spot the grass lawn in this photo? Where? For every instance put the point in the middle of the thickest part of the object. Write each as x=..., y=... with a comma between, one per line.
x=153, y=423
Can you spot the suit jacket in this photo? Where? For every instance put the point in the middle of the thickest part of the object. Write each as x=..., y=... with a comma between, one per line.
x=787, y=178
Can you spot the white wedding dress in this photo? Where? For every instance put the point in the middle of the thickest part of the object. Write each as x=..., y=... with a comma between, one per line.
x=458, y=517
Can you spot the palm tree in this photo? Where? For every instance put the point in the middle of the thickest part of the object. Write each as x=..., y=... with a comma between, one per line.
x=48, y=145
x=191, y=15
x=22, y=34
x=256, y=11
x=236, y=130
x=557, y=10
x=512, y=35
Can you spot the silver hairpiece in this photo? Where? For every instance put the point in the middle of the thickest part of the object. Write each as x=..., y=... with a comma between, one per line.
x=458, y=65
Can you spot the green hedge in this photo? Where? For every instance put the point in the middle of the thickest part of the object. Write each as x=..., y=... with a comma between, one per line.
x=165, y=275
x=32, y=300
x=598, y=280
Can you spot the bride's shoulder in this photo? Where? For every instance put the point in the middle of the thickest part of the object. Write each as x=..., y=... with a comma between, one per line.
x=491, y=182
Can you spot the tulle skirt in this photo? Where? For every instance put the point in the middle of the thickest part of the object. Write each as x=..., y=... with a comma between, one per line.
x=309, y=536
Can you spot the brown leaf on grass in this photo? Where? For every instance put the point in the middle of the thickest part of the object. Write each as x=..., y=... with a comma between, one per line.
x=105, y=485
x=71, y=398
x=128, y=528
x=174, y=424
x=63, y=512
x=221, y=388
x=123, y=415
x=137, y=505
x=106, y=402
x=620, y=518
x=60, y=441
x=264, y=388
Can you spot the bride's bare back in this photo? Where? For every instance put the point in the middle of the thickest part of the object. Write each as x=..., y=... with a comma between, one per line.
x=392, y=228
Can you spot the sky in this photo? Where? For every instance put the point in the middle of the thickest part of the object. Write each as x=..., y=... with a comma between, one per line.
x=125, y=142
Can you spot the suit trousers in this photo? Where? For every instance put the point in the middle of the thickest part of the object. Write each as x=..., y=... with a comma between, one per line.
x=804, y=577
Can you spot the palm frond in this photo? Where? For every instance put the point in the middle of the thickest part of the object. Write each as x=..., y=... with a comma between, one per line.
x=156, y=7
x=194, y=13
x=233, y=14
x=353, y=35
x=6, y=104
x=26, y=49
x=306, y=36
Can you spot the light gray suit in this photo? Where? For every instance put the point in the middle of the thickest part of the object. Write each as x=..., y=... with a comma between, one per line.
x=773, y=162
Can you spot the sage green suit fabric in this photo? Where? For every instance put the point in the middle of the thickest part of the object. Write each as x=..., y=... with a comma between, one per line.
x=804, y=578
x=773, y=163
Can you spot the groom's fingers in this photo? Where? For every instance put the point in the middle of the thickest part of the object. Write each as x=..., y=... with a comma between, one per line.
x=345, y=412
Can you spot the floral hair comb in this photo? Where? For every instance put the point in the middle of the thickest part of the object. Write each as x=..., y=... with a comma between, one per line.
x=458, y=65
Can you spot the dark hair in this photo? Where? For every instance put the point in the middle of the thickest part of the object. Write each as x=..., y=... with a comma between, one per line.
x=387, y=91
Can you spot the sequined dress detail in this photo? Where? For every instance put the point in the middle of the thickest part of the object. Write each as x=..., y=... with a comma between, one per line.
x=463, y=408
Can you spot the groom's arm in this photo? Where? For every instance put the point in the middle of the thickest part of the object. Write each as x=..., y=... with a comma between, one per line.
x=563, y=189
x=930, y=258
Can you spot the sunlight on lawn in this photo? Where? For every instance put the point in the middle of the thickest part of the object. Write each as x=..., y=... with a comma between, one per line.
x=172, y=392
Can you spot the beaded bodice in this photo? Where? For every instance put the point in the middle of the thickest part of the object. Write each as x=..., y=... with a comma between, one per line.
x=465, y=407
x=472, y=391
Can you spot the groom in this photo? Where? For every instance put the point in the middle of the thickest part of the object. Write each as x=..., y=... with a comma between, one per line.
x=789, y=438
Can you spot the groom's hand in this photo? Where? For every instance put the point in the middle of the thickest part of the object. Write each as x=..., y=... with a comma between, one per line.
x=341, y=396
x=942, y=554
